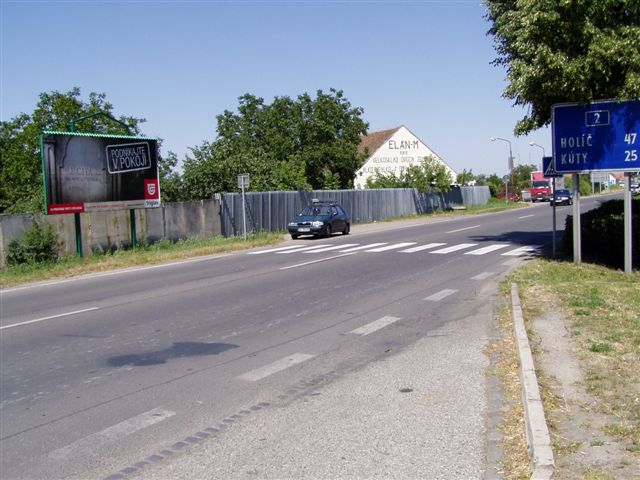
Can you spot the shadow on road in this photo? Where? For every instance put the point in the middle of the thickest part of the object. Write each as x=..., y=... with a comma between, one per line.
x=177, y=350
x=542, y=239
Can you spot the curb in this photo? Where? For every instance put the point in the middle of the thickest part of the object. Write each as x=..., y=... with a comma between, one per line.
x=538, y=438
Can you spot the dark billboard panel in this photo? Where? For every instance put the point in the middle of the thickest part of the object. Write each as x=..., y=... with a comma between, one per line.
x=85, y=172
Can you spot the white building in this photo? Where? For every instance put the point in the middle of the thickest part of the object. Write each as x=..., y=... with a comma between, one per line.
x=392, y=151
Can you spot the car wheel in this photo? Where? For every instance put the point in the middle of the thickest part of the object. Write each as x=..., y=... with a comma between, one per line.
x=327, y=232
x=347, y=229
x=294, y=236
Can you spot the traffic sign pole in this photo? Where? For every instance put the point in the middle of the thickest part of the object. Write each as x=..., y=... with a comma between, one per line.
x=628, y=249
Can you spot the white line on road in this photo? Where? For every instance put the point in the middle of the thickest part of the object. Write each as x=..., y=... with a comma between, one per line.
x=363, y=247
x=520, y=251
x=120, y=430
x=335, y=247
x=525, y=216
x=316, y=261
x=436, y=297
x=482, y=276
x=422, y=247
x=391, y=247
x=304, y=249
x=275, y=367
x=279, y=249
x=455, y=248
x=49, y=318
x=375, y=326
x=490, y=248
x=462, y=229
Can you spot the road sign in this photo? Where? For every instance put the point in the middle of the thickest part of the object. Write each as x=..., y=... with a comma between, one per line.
x=601, y=136
x=549, y=168
x=243, y=180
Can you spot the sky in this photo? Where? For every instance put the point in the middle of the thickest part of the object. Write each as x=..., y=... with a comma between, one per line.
x=422, y=64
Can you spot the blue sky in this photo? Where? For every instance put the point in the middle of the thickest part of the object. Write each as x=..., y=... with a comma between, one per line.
x=422, y=64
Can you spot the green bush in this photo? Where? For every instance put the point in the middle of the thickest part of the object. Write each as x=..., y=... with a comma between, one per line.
x=38, y=245
x=603, y=234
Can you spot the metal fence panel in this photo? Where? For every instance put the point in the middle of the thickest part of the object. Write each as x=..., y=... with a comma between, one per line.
x=270, y=211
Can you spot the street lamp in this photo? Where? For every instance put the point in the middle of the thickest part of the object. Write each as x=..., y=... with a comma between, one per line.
x=506, y=185
x=534, y=144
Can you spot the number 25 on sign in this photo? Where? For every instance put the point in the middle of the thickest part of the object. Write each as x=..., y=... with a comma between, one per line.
x=630, y=155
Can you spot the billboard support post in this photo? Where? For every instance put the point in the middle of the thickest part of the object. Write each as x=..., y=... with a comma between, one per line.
x=78, y=234
x=132, y=218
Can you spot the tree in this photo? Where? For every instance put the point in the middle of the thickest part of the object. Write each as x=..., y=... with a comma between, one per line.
x=430, y=174
x=565, y=51
x=21, y=184
x=170, y=180
x=521, y=177
x=465, y=178
x=286, y=145
x=493, y=181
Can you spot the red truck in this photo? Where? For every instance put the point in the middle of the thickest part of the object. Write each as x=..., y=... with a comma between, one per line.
x=540, y=187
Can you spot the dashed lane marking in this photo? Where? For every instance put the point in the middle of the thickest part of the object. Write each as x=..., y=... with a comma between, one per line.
x=375, y=326
x=120, y=430
x=462, y=229
x=275, y=367
x=316, y=261
x=436, y=297
x=483, y=276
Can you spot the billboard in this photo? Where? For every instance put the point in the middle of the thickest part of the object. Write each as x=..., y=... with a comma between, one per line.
x=88, y=172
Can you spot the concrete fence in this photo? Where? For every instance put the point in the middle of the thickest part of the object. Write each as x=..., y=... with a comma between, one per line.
x=102, y=231
x=266, y=211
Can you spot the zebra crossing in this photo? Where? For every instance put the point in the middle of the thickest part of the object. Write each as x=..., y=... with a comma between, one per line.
x=438, y=248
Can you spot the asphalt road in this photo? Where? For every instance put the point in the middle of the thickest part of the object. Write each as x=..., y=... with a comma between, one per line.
x=137, y=372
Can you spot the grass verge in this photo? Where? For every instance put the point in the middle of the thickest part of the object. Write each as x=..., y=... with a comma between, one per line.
x=146, y=254
x=602, y=307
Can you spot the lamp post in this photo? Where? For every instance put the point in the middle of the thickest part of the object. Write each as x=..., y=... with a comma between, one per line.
x=506, y=184
x=553, y=203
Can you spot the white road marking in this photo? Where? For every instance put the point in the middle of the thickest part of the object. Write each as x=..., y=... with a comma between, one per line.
x=303, y=249
x=391, y=247
x=512, y=262
x=375, y=326
x=490, y=248
x=316, y=261
x=520, y=251
x=482, y=276
x=49, y=318
x=422, y=247
x=462, y=229
x=526, y=216
x=279, y=249
x=363, y=247
x=455, y=248
x=436, y=297
x=335, y=247
x=109, y=435
x=275, y=367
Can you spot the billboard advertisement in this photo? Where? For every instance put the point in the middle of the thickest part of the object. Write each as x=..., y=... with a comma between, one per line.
x=88, y=172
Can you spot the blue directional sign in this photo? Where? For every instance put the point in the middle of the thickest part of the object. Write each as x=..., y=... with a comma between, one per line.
x=601, y=136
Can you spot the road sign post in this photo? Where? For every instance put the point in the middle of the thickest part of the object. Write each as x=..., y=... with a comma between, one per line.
x=600, y=136
x=549, y=171
x=243, y=182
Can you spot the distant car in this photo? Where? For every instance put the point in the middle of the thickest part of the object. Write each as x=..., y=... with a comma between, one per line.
x=635, y=189
x=320, y=219
x=562, y=197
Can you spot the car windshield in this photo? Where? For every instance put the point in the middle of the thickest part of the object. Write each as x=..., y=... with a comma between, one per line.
x=312, y=210
x=540, y=184
x=562, y=192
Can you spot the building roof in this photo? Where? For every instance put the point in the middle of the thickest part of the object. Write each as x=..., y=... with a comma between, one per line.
x=374, y=140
